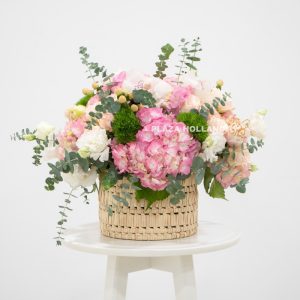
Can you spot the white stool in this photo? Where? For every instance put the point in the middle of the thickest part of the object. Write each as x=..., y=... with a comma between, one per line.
x=175, y=256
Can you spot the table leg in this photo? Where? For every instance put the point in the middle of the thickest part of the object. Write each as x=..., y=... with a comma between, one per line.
x=116, y=279
x=182, y=268
x=117, y=271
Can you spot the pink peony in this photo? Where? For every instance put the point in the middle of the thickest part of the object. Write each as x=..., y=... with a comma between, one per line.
x=162, y=147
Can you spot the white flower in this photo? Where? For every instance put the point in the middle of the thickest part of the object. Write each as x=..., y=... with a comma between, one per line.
x=80, y=178
x=43, y=130
x=213, y=145
x=51, y=153
x=206, y=92
x=257, y=126
x=95, y=141
x=160, y=89
x=192, y=102
x=134, y=80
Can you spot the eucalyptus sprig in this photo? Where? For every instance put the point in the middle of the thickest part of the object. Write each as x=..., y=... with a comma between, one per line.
x=175, y=189
x=63, y=217
x=161, y=65
x=93, y=68
x=209, y=109
x=188, y=56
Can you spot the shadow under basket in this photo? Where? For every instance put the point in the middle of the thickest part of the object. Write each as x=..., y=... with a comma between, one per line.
x=163, y=221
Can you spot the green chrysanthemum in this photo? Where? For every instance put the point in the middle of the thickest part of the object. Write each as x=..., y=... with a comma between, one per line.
x=197, y=124
x=125, y=125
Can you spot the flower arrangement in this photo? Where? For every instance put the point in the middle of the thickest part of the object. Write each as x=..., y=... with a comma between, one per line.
x=154, y=130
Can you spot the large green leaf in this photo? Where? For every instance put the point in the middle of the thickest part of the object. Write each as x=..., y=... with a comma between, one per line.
x=150, y=195
x=84, y=100
x=216, y=190
x=208, y=177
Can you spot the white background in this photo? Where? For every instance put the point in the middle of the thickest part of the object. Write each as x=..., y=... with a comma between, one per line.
x=253, y=46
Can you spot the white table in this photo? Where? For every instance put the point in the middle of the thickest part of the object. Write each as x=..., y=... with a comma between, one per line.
x=174, y=256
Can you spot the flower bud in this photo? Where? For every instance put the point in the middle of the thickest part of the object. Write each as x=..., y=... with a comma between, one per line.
x=95, y=85
x=122, y=99
x=29, y=137
x=220, y=83
x=262, y=112
x=253, y=168
x=84, y=152
x=134, y=107
x=87, y=92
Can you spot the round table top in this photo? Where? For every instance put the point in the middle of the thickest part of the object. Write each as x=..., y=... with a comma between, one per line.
x=210, y=237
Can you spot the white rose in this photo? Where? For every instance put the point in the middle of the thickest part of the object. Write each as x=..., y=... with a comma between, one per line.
x=95, y=142
x=257, y=126
x=43, y=130
x=80, y=178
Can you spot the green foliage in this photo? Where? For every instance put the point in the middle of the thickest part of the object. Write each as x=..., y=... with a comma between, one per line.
x=125, y=125
x=188, y=56
x=175, y=189
x=93, y=68
x=212, y=186
x=198, y=167
x=149, y=195
x=241, y=186
x=216, y=190
x=65, y=166
x=207, y=108
x=84, y=100
x=41, y=145
x=197, y=124
x=143, y=97
x=63, y=218
x=163, y=57
x=107, y=104
x=110, y=177
x=208, y=177
x=254, y=145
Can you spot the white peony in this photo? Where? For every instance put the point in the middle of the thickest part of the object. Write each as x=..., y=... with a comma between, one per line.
x=94, y=141
x=43, y=130
x=213, y=145
x=80, y=178
x=257, y=126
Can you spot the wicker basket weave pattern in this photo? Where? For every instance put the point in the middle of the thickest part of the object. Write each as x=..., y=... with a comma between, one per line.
x=162, y=221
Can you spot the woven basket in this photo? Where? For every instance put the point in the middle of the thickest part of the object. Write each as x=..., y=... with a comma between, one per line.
x=163, y=221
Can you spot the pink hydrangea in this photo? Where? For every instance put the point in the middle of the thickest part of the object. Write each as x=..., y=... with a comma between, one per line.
x=162, y=147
